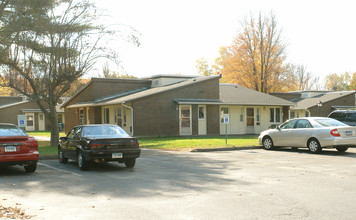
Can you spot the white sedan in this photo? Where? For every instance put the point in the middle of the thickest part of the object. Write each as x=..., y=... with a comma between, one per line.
x=314, y=133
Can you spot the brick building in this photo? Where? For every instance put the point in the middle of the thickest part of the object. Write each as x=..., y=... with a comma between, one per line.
x=166, y=105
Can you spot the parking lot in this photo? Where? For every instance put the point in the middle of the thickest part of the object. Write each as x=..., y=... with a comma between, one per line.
x=244, y=184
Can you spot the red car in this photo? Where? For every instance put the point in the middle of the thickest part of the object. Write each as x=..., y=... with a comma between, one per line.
x=17, y=148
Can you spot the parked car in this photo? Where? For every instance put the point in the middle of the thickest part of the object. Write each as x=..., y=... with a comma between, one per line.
x=314, y=133
x=98, y=143
x=346, y=116
x=17, y=148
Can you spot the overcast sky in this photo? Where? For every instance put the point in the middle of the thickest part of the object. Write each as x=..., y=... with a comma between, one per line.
x=174, y=34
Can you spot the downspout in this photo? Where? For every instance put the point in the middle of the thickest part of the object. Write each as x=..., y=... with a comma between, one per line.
x=132, y=117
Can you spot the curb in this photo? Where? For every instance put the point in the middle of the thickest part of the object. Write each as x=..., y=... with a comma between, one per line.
x=225, y=149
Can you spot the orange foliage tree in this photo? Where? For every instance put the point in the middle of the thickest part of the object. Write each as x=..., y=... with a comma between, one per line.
x=256, y=58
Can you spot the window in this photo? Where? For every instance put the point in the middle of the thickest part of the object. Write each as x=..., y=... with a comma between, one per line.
x=224, y=111
x=118, y=117
x=81, y=116
x=242, y=115
x=307, y=114
x=292, y=114
x=201, y=112
x=275, y=115
x=303, y=124
x=29, y=120
x=258, y=116
x=106, y=115
x=288, y=125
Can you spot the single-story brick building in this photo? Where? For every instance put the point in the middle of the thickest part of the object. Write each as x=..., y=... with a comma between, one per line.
x=317, y=103
x=166, y=105
x=11, y=107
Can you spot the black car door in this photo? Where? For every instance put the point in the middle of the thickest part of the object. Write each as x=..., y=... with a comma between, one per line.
x=65, y=142
x=73, y=142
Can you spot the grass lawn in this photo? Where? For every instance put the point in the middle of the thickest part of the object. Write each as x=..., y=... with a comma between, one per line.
x=173, y=143
x=187, y=143
x=43, y=133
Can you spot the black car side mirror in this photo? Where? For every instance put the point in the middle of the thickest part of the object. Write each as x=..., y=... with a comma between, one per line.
x=278, y=128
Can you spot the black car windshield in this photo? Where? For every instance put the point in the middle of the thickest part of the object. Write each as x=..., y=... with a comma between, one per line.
x=10, y=130
x=329, y=122
x=112, y=131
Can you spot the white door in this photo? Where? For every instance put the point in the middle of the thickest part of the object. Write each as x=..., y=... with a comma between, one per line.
x=185, y=119
x=202, y=120
x=30, y=117
x=41, y=122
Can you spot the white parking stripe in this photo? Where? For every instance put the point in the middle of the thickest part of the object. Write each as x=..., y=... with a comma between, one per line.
x=76, y=174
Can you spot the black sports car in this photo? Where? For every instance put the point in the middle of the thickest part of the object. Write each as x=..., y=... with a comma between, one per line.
x=98, y=143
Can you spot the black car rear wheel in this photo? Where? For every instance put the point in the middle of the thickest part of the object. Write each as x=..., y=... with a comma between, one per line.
x=82, y=162
x=31, y=167
x=130, y=163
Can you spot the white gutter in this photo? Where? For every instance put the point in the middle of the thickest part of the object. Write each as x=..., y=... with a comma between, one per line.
x=132, y=117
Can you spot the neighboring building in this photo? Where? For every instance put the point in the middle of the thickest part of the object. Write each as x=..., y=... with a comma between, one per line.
x=11, y=107
x=317, y=103
x=174, y=105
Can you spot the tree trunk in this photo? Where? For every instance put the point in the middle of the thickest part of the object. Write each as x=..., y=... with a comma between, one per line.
x=54, y=126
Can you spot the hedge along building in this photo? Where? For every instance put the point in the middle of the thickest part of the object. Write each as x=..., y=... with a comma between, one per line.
x=174, y=105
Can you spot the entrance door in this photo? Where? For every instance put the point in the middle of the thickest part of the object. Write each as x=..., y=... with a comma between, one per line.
x=250, y=120
x=185, y=120
x=202, y=120
x=41, y=122
x=30, y=117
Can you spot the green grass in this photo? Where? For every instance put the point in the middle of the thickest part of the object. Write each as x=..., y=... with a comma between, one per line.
x=186, y=143
x=176, y=143
x=43, y=133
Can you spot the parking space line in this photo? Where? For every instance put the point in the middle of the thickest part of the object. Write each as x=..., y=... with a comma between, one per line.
x=48, y=166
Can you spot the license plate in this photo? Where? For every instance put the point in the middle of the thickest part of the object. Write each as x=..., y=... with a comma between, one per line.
x=10, y=149
x=348, y=133
x=116, y=155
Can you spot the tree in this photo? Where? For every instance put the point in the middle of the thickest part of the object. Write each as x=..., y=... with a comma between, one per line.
x=204, y=69
x=302, y=79
x=255, y=59
x=108, y=74
x=336, y=82
x=45, y=45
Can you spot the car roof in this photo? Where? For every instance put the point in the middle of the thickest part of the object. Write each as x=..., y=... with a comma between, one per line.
x=94, y=125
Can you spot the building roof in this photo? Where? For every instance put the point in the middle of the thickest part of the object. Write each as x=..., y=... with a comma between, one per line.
x=232, y=94
x=313, y=101
x=141, y=94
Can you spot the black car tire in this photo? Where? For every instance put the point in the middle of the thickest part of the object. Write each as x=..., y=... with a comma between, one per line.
x=314, y=146
x=342, y=149
x=267, y=143
x=130, y=163
x=31, y=167
x=61, y=157
x=82, y=162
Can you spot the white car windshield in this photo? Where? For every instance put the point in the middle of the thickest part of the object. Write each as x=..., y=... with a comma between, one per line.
x=329, y=122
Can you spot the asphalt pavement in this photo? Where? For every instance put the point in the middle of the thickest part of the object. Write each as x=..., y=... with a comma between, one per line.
x=244, y=184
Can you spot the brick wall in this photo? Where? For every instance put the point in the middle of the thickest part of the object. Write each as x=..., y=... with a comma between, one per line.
x=159, y=114
x=326, y=109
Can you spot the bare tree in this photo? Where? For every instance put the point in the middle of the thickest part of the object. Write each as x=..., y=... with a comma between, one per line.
x=47, y=45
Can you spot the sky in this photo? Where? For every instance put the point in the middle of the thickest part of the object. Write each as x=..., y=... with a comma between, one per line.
x=320, y=35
